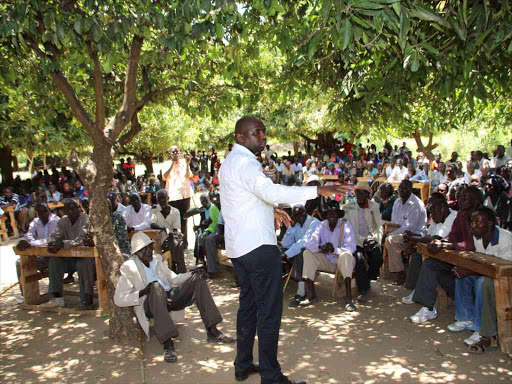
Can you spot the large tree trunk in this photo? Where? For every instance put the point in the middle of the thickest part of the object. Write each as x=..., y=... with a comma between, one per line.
x=324, y=141
x=97, y=175
x=6, y=161
x=147, y=160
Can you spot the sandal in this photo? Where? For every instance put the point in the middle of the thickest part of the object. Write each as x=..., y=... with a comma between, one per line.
x=170, y=355
x=483, y=345
x=221, y=338
x=350, y=307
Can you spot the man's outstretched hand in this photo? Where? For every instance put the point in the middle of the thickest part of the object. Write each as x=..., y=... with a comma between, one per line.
x=330, y=190
x=281, y=217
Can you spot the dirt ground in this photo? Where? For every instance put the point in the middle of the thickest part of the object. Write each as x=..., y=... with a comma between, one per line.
x=321, y=344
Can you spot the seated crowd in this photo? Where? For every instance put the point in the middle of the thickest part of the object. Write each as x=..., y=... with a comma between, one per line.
x=345, y=237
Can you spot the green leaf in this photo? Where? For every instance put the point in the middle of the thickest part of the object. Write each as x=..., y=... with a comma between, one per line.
x=346, y=33
x=326, y=9
x=415, y=62
x=367, y=5
x=509, y=50
x=456, y=28
x=424, y=13
x=107, y=64
x=397, y=8
x=313, y=43
x=430, y=48
x=219, y=31
x=465, y=11
x=78, y=25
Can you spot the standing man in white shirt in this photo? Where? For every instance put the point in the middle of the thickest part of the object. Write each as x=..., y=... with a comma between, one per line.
x=177, y=185
x=252, y=246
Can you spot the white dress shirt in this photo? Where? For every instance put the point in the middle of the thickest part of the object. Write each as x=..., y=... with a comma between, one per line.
x=171, y=221
x=141, y=220
x=442, y=229
x=398, y=174
x=500, y=245
x=248, y=197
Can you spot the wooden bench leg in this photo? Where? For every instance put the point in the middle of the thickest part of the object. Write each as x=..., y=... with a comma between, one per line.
x=288, y=279
x=384, y=270
x=29, y=280
x=502, y=287
x=3, y=232
x=101, y=284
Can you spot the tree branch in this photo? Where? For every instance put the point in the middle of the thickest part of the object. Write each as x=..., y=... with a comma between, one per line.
x=150, y=96
x=315, y=141
x=135, y=128
x=129, y=106
x=98, y=87
x=63, y=85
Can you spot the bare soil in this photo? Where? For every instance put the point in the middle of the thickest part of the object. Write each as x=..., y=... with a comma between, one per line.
x=321, y=344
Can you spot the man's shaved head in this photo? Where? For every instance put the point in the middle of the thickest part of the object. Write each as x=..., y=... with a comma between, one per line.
x=250, y=133
x=243, y=124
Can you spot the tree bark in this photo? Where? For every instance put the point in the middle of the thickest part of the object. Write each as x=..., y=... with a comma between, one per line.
x=97, y=175
x=147, y=160
x=426, y=149
x=6, y=160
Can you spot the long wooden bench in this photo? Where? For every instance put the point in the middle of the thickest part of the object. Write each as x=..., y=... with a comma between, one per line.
x=423, y=187
x=3, y=230
x=498, y=269
x=30, y=277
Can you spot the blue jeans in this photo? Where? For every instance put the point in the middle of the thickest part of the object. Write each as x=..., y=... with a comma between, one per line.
x=468, y=300
x=261, y=305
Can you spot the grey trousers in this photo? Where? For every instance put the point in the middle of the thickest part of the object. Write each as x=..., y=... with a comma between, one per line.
x=159, y=302
x=86, y=268
x=489, y=325
x=413, y=272
x=432, y=273
x=212, y=260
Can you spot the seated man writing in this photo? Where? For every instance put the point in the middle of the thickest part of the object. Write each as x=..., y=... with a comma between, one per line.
x=152, y=289
x=365, y=218
x=436, y=272
x=442, y=220
x=72, y=231
x=475, y=299
x=137, y=215
x=330, y=247
x=409, y=212
x=168, y=219
x=294, y=242
x=39, y=232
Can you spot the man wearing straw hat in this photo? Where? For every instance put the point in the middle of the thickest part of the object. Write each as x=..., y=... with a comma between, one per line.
x=152, y=289
x=365, y=217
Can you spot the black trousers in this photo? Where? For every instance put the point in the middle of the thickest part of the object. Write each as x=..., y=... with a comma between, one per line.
x=261, y=306
x=183, y=206
x=194, y=290
x=413, y=272
x=374, y=260
x=432, y=273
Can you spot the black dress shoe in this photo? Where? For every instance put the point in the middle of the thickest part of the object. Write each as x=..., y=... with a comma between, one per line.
x=243, y=375
x=286, y=380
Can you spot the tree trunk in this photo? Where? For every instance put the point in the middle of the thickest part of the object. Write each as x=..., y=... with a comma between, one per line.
x=296, y=146
x=426, y=149
x=44, y=161
x=97, y=175
x=30, y=162
x=6, y=160
x=16, y=166
x=147, y=160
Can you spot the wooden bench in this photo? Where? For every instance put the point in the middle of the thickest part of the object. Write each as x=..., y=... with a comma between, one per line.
x=3, y=230
x=423, y=187
x=10, y=210
x=500, y=270
x=384, y=270
x=57, y=205
x=30, y=277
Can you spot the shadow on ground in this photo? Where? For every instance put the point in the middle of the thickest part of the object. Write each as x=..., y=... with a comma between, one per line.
x=321, y=344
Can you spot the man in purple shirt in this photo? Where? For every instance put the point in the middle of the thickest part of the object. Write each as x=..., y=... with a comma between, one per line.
x=409, y=212
x=331, y=246
x=39, y=231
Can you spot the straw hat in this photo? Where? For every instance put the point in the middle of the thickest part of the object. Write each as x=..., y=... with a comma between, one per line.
x=363, y=185
x=312, y=178
x=140, y=240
